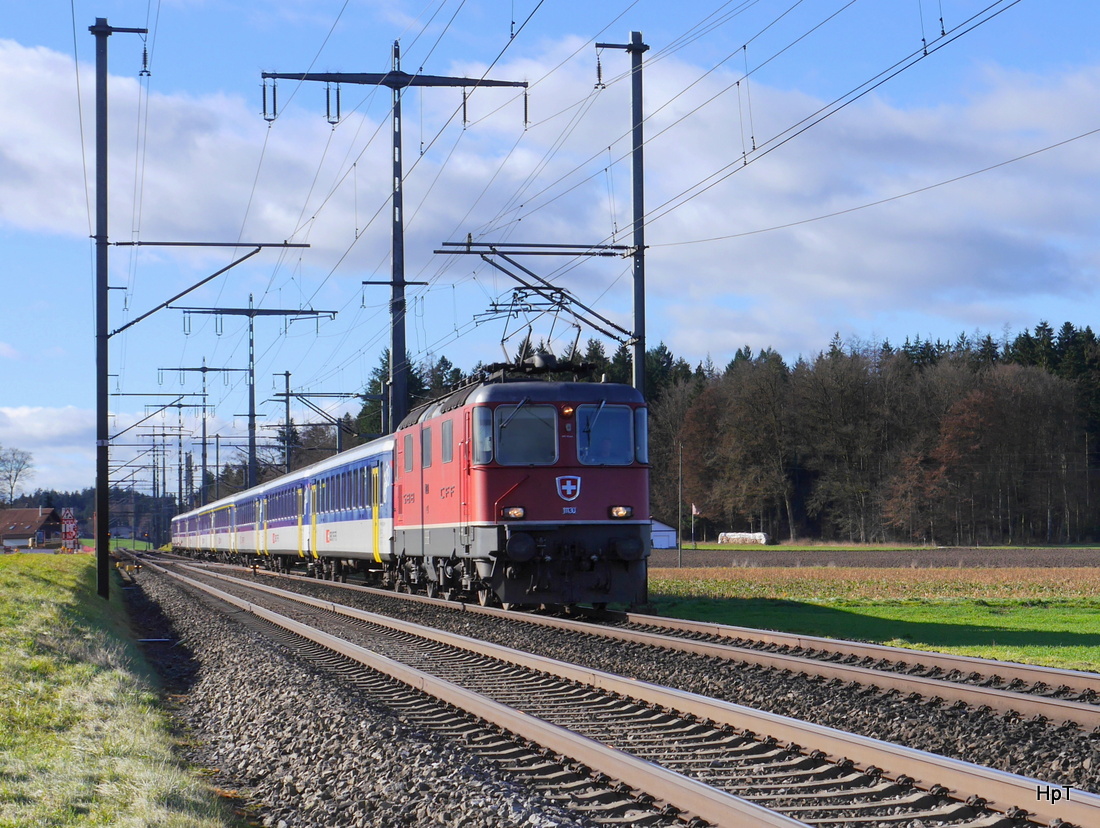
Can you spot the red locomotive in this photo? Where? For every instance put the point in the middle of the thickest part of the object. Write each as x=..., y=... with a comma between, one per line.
x=517, y=492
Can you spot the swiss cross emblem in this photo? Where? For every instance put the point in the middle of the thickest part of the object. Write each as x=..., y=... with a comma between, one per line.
x=569, y=487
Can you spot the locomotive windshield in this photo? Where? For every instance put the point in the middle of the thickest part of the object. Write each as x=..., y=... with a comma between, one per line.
x=526, y=435
x=605, y=435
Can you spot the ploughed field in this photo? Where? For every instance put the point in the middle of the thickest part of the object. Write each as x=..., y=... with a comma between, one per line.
x=931, y=557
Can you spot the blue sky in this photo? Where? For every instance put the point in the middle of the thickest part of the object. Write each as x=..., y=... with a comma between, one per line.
x=743, y=248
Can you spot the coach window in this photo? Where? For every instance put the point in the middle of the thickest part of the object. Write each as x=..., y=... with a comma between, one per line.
x=426, y=447
x=446, y=438
x=605, y=435
x=526, y=435
x=483, y=435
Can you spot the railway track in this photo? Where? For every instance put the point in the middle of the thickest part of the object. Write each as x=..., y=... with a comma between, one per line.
x=1060, y=696
x=724, y=763
x=1011, y=681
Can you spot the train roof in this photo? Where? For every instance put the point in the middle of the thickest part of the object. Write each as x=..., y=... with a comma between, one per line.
x=380, y=445
x=531, y=390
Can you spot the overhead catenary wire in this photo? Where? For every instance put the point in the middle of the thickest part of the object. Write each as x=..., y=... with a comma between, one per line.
x=382, y=206
x=409, y=170
x=649, y=116
x=297, y=231
x=832, y=108
x=888, y=199
x=437, y=178
x=788, y=47
x=989, y=13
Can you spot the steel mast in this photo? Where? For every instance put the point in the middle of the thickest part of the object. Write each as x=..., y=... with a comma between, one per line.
x=397, y=81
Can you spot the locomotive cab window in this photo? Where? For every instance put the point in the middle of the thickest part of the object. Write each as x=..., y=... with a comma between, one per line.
x=525, y=434
x=605, y=435
x=483, y=436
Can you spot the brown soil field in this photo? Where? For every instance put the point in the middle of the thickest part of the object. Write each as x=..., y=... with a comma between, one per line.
x=880, y=584
x=941, y=557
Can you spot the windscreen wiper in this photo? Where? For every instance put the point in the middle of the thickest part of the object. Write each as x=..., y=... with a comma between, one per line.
x=522, y=403
x=589, y=425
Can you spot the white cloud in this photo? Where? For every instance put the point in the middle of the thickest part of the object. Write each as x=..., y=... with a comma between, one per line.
x=1021, y=231
x=1011, y=246
x=60, y=440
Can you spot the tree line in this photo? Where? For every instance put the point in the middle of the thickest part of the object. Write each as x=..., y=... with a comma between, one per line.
x=133, y=514
x=963, y=442
x=973, y=441
x=968, y=442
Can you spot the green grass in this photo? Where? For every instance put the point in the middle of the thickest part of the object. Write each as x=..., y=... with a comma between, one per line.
x=1024, y=623
x=121, y=543
x=83, y=739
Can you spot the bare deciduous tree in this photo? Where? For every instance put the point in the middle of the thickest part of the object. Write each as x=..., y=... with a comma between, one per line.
x=16, y=468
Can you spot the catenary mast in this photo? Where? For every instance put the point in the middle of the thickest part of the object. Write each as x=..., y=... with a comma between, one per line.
x=397, y=81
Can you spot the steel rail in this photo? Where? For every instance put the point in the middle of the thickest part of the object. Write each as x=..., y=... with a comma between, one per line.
x=686, y=794
x=1030, y=673
x=1001, y=790
x=1084, y=715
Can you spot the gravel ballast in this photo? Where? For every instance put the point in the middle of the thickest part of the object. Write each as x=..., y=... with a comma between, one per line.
x=301, y=748
x=1055, y=754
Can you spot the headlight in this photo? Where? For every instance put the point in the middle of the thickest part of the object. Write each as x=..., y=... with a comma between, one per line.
x=513, y=513
x=621, y=511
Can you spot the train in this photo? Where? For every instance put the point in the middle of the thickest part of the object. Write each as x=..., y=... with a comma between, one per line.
x=510, y=492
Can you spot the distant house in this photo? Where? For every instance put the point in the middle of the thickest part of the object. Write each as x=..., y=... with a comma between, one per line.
x=23, y=528
x=664, y=536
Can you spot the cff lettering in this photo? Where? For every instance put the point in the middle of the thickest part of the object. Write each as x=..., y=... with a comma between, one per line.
x=1051, y=793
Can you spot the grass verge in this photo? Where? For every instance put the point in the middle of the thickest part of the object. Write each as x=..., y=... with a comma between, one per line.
x=1049, y=617
x=83, y=741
